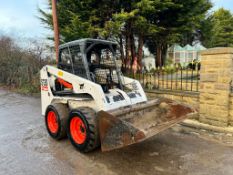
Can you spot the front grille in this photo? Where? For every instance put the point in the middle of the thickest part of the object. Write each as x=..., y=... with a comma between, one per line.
x=117, y=98
x=132, y=95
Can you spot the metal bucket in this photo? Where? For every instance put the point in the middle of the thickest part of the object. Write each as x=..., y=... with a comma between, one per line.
x=133, y=124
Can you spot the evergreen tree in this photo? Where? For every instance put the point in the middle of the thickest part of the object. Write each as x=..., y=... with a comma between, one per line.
x=156, y=22
x=222, y=31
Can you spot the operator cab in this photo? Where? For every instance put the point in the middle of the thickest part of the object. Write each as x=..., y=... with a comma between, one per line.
x=92, y=59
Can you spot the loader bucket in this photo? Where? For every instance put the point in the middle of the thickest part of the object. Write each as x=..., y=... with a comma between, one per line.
x=129, y=125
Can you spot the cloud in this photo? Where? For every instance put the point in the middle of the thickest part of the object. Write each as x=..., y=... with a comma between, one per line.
x=20, y=18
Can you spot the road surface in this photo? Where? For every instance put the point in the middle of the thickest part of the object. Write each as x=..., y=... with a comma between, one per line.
x=26, y=148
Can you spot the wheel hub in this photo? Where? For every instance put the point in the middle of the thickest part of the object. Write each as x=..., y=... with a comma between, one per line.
x=78, y=130
x=52, y=122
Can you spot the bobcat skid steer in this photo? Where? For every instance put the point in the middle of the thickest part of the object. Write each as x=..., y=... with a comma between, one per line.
x=87, y=98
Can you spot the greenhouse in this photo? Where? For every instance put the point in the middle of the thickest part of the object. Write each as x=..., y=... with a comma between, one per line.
x=185, y=54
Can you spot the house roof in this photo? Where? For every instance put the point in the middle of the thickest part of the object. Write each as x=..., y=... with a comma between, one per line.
x=86, y=40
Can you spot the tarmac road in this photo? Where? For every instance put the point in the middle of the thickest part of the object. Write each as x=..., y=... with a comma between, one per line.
x=26, y=148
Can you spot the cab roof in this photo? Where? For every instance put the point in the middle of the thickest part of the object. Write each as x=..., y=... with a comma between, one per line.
x=85, y=41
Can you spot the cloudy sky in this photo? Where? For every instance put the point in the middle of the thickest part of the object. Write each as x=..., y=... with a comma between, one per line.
x=19, y=17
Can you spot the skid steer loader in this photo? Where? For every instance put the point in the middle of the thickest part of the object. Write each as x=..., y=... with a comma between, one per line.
x=87, y=98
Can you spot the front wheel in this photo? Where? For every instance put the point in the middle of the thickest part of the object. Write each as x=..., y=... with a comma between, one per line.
x=82, y=129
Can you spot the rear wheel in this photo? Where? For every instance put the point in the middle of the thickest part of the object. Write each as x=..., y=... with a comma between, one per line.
x=82, y=129
x=56, y=118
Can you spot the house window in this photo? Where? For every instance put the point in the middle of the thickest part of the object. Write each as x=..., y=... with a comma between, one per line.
x=177, y=55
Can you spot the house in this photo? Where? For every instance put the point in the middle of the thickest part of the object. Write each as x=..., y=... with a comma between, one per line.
x=148, y=62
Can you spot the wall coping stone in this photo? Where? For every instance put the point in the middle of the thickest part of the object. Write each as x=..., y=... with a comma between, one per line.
x=178, y=93
x=218, y=50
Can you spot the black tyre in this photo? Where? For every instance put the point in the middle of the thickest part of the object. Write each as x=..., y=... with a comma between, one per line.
x=56, y=118
x=82, y=129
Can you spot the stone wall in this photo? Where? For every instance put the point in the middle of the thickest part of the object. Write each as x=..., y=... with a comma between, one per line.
x=190, y=98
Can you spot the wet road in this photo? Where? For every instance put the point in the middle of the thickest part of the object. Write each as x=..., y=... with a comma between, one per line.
x=25, y=148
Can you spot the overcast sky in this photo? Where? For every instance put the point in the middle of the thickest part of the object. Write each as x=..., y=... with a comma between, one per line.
x=19, y=17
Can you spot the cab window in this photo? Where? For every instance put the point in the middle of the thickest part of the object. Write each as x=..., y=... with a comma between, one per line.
x=65, y=57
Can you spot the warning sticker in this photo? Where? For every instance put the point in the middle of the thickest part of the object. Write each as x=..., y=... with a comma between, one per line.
x=44, y=85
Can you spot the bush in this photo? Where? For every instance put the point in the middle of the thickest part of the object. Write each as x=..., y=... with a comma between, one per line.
x=19, y=68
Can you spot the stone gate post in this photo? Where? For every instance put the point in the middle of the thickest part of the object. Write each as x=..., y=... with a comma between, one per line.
x=215, y=86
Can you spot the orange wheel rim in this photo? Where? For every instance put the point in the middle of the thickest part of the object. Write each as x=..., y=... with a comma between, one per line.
x=52, y=122
x=78, y=130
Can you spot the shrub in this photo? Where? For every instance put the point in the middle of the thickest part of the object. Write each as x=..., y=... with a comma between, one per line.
x=19, y=68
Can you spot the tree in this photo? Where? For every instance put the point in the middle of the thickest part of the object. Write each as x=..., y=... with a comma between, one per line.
x=176, y=21
x=162, y=22
x=156, y=22
x=222, y=28
x=134, y=25
x=206, y=31
x=81, y=19
x=19, y=67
